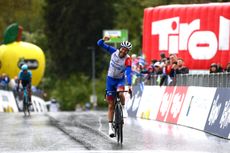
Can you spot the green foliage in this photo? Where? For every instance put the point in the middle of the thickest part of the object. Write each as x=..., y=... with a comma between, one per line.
x=72, y=27
x=100, y=89
x=69, y=92
x=27, y=13
x=75, y=90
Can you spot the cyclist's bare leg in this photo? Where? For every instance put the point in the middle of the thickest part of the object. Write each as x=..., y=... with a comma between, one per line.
x=110, y=115
x=122, y=97
x=110, y=109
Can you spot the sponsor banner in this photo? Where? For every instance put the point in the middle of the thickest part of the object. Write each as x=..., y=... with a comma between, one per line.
x=199, y=33
x=196, y=107
x=7, y=102
x=176, y=104
x=166, y=100
x=218, y=121
x=38, y=104
x=132, y=105
x=171, y=104
x=150, y=102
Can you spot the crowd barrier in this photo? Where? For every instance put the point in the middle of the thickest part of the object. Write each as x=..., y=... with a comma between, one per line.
x=8, y=103
x=199, y=79
x=202, y=108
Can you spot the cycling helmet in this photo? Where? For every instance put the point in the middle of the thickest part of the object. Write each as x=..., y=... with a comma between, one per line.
x=24, y=67
x=126, y=44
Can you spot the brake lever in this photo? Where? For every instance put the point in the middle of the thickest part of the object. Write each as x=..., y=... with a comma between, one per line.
x=130, y=94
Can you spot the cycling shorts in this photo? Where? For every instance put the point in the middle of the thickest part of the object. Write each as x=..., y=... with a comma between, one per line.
x=113, y=84
x=26, y=83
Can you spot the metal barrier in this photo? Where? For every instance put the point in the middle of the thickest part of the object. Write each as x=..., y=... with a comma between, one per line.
x=203, y=80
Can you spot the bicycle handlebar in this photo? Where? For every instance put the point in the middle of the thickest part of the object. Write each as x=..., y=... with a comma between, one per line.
x=129, y=91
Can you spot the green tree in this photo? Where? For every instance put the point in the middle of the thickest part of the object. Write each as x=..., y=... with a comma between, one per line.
x=72, y=27
x=27, y=13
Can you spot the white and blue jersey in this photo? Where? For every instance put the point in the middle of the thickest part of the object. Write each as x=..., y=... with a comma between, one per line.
x=118, y=68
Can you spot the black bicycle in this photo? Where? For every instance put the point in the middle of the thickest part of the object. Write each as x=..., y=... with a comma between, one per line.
x=118, y=120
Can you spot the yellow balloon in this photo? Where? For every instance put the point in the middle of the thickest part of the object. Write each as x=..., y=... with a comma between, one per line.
x=13, y=55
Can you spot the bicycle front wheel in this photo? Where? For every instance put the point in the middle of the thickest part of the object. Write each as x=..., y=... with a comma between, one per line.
x=120, y=133
x=24, y=105
x=119, y=123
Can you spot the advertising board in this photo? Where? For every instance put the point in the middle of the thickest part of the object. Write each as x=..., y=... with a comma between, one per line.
x=197, y=33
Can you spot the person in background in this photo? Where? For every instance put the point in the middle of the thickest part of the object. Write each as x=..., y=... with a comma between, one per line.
x=13, y=85
x=134, y=61
x=219, y=68
x=213, y=68
x=165, y=65
x=157, y=68
x=5, y=80
x=181, y=68
x=169, y=67
x=227, y=69
x=54, y=105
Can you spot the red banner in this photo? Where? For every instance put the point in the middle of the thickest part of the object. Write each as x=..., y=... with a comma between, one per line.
x=171, y=104
x=199, y=34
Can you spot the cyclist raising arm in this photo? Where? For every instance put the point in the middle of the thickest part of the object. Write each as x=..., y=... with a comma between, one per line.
x=25, y=77
x=120, y=65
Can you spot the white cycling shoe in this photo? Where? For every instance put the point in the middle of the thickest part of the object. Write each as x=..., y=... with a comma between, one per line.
x=111, y=133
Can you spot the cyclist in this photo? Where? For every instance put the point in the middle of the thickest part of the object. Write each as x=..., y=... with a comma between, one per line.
x=25, y=77
x=119, y=67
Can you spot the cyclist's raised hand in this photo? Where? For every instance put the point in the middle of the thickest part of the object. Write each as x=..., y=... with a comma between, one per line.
x=106, y=38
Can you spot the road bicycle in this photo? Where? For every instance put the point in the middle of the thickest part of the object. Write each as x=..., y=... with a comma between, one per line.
x=26, y=105
x=118, y=120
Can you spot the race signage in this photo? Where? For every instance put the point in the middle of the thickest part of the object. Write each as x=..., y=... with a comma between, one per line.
x=116, y=36
x=200, y=34
x=218, y=121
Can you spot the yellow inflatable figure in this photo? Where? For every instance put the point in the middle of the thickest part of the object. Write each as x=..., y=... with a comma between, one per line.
x=13, y=54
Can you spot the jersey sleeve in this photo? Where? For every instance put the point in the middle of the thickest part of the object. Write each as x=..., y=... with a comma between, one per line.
x=108, y=48
x=128, y=62
x=20, y=75
x=128, y=75
x=128, y=69
x=30, y=73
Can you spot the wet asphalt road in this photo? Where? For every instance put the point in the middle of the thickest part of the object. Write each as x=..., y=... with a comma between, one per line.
x=20, y=134
x=87, y=132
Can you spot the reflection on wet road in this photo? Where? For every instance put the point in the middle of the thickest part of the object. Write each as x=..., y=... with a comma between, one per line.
x=88, y=132
x=147, y=135
x=34, y=133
